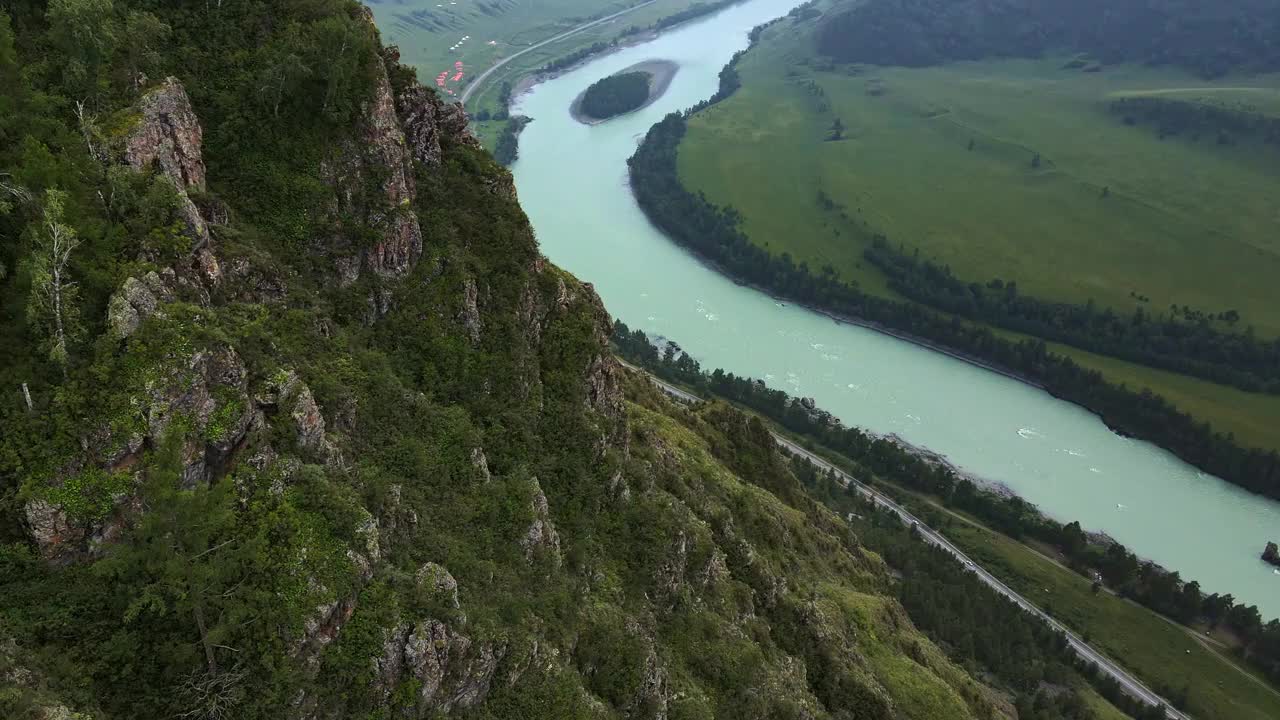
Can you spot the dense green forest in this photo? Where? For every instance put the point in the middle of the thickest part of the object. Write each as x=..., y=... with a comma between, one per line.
x=296, y=421
x=1222, y=123
x=1161, y=590
x=615, y=95
x=508, y=148
x=1208, y=38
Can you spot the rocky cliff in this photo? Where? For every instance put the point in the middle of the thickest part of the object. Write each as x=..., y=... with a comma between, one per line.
x=332, y=439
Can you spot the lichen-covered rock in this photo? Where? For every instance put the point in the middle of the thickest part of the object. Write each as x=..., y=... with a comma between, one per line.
x=306, y=416
x=481, y=465
x=287, y=393
x=437, y=580
x=653, y=695
x=420, y=110
x=670, y=576
x=470, y=313
x=452, y=672
x=169, y=136
x=541, y=538
x=51, y=529
x=618, y=487
x=135, y=301
x=211, y=392
x=380, y=154
x=453, y=124
x=249, y=282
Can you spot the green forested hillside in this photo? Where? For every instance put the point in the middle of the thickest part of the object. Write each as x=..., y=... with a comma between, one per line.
x=297, y=423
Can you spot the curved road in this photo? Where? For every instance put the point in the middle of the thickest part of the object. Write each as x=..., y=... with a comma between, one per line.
x=1130, y=684
x=475, y=84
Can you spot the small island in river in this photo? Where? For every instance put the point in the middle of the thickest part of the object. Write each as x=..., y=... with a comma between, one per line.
x=626, y=91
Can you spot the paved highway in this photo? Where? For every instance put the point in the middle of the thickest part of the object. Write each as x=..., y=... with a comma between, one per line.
x=1130, y=684
x=475, y=84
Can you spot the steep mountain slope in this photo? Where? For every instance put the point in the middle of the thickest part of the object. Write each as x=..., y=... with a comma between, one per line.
x=297, y=421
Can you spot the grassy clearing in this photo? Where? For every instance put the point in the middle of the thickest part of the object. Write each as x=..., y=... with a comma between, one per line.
x=1101, y=708
x=1160, y=652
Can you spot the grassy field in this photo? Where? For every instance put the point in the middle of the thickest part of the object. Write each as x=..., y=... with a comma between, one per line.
x=1162, y=653
x=428, y=33
x=1102, y=709
x=941, y=159
x=1184, y=222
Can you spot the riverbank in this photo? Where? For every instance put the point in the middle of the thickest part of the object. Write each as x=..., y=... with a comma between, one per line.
x=529, y=81
x=660, y=74
x=712, y=232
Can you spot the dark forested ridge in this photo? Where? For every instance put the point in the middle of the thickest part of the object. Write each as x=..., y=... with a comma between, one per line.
x=1163, y=591
x=615, y=95
x=1207, y=38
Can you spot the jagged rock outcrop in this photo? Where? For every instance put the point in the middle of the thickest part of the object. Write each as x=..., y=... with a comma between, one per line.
x=420, y=110
x=1272, y=554
x=252, y=283
x=469, y=316
x=168, y=136
x=438, y=581
x=379, y=152
x=481, y=464
x=541, y=538
x=452, y=671
x=135, y=301
x=207, y=392
x=321, y=629
x=670, y=575
x=287, y=393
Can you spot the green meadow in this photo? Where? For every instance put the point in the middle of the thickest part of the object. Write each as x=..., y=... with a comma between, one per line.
x=428, y=33
x=944, y=159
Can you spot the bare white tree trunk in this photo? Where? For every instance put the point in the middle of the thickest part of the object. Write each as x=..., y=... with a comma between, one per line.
x=61, y=254
x=86, y=128
x=52, y=286
x=26, y=395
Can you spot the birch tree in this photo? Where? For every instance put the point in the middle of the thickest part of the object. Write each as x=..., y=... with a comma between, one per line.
x=52, y=306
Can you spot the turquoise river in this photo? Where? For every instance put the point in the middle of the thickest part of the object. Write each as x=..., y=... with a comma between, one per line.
x=572, y=181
